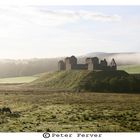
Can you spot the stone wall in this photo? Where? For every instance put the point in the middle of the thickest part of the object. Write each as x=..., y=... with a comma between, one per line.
x=70, y=63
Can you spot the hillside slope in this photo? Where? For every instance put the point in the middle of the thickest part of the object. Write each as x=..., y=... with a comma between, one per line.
x=61, y=80
x=83, y=80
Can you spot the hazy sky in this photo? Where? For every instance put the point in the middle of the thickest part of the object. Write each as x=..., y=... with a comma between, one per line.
x=52, y=31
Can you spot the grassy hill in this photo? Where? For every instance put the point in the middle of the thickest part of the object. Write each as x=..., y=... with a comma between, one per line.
x=135, y=69
x=83, y=80
x=61, y=80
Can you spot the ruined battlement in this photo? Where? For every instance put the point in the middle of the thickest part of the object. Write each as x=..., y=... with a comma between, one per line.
x=91, y=63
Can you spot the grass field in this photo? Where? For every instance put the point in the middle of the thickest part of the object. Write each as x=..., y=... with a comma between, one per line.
x=133, y=69
x=25, y=79
x=36, y=109
x=39, y=111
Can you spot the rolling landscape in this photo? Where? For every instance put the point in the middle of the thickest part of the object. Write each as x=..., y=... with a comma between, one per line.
x=67, y=68
x=76, y=100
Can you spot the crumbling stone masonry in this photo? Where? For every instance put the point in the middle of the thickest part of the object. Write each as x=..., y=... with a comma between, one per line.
x=91, y=63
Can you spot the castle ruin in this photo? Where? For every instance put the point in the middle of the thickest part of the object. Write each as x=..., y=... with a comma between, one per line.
x=91, y=63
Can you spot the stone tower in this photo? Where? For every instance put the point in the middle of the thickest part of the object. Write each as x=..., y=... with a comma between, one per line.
x=93, y=63
x=61, y=65
x=70, y=62
x=103, y=64
x=113, y=64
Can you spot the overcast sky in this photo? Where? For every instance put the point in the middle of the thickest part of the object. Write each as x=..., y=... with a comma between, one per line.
x=33, y=31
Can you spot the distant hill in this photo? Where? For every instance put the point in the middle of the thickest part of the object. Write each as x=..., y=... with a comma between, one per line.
x=133, y=69
x=84, y=80
x=28, y=67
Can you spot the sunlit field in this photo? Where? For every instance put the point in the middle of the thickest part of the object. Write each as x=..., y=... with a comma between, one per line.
x=24, y=79
x=39, y=111
x=134, y=69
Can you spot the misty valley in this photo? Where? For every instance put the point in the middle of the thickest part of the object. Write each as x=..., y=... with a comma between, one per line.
x=30, y=67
